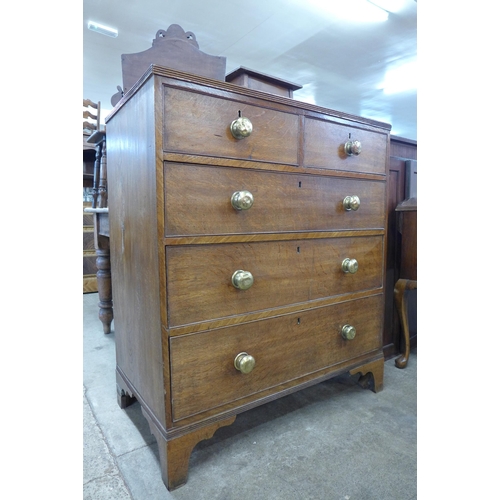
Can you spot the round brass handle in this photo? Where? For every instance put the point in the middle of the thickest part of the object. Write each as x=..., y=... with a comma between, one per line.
x=351, y=202
x=242, y=280
x=242, y=200
x=348, y=332
x=241, y=127
x=244, y=362
x=352, y=148
x=349, y=266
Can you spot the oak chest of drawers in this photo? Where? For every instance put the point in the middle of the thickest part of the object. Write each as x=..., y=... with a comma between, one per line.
x=248, y=236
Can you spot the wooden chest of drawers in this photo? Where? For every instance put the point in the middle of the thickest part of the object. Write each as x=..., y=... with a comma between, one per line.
x=243, y=268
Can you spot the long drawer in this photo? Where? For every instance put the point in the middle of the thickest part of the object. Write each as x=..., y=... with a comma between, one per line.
x=198, y=201
x=284, y=348
x=325, y=147
x=200, y=124
x=200, y=287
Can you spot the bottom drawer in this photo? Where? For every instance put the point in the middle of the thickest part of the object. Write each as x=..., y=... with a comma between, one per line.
x=285, y=348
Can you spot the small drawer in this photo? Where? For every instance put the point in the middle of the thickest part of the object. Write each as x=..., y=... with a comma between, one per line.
x=284, y=349
x=325, y=147
x=200, y=124
x=198, y=201
x=203, y=279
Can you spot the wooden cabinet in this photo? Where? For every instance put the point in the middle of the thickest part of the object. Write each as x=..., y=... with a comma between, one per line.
x=401, y=151
x=243, y=269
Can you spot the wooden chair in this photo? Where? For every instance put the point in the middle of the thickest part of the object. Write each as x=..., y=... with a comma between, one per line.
x=97, y=138
x=92, y=112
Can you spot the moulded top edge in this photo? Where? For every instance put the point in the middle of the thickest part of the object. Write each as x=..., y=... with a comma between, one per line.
x=162, y=71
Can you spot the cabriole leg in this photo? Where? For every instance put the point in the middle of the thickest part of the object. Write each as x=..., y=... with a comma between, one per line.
x=400, y=298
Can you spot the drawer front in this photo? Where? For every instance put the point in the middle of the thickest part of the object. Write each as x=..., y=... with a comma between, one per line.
x=198, y=201
x=324, y=147
x=285, y=272
x=284, y=348
x=199, y=124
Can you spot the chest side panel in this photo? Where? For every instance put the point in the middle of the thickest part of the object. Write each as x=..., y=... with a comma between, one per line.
x=134, y=247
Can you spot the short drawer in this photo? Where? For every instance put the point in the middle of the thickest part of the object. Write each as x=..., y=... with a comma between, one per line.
x=285, y=349
x=200, y=124
x=200, y=277
x=325, y=147
x=198, y=201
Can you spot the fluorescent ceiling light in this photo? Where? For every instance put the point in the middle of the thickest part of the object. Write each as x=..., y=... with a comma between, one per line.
x=104, y=30
x=360, y=11
x=401, y=78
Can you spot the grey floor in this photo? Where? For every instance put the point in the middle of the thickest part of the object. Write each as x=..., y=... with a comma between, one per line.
x=333, y=441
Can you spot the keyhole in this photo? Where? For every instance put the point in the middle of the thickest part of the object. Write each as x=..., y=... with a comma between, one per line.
x=300, y=184
x=298, y=321
x=298, y=249
x=239, y=115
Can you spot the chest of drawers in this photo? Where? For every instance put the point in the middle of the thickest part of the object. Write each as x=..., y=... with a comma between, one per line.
x=246, y=265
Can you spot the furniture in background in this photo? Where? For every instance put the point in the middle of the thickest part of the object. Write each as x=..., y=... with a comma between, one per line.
x=402, y=151
x=407, y=211
x=103, y=265
x=89, y=253
x=98, y=210
x=91, y=116
x=172, y=48
x=259, y=81
x=91, y=120
x=247, y=234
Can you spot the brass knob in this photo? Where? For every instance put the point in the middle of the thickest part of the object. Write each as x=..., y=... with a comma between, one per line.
x=242, y=280
x=244, y=362
x=351, y=202
x=352, y=148
x=348, y=332
x=349, y=266
x=242, y=200
x=241, y=127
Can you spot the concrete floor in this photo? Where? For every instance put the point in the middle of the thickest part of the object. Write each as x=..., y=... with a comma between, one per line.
x=333, y=441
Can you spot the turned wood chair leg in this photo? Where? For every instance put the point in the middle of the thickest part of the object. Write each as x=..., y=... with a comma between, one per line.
x=102, y=198
x=103, y=274
x=400, y=298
